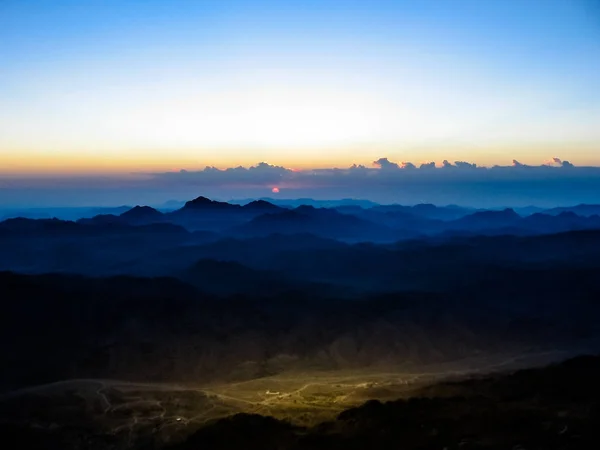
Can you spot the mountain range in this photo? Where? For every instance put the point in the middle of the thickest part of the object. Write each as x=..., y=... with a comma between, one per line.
x=224, y=295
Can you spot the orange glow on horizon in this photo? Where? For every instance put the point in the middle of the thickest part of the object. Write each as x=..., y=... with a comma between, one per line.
x=138, y=161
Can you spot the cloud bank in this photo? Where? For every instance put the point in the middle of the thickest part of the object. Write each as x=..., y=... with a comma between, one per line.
x=554, y=182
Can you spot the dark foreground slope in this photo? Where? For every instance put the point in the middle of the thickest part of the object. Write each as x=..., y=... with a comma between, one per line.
x=550, y=408
x=56, y=327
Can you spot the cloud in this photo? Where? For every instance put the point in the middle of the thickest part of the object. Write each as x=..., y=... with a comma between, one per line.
x=267, y=168
x=460, y=182
x=557, y=162
x=458, y=165
x=465, y=165
x=562, y=163
x=389, y=172
x=385, y=164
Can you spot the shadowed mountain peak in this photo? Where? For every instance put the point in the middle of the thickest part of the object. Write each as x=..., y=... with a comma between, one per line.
x=507, y=214
x=306, y=209
x=206, y=203
x=261, y=205
x=141, y=212
x=580, y=210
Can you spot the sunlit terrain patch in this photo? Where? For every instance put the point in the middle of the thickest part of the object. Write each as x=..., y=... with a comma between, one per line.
x=129, y=413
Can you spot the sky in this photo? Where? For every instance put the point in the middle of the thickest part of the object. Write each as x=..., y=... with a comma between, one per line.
x=126, y=90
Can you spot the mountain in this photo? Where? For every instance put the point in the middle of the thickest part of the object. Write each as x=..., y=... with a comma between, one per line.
x=408, y=224
x=261, y=206
x=318, y=221
x=565, y=221
x=203, y=214
x=510, y=223
x=39, y=246
x=293, y=203
x=22, y=225
x=65, y=213
x=142, y=215
x=100, y=225
x=528, y=210
x=580, y=210
x=101, y=219
x=138, y=215
x=356, y=221
x=482, y=220
x=170, y=205
x=227, y=277
x=427, y=211
x=206, y=204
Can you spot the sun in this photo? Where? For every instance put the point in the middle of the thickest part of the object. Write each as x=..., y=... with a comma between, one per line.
x=275, y=190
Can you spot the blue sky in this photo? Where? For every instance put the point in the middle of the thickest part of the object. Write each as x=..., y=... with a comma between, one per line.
x=113, y=88
x=112, y=85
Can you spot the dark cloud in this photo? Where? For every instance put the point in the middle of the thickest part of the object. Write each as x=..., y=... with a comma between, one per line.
x=429, y=165
x=562, y=163
x=458, y=165
x=516, y=163
x=358, y=168
x=465, y=165
x=385, y=164
x=263, y=167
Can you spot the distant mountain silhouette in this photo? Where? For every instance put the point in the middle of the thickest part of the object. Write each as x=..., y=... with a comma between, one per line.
x=293, y=203
x=486, y=219
x=408, y=224
x=101, y=219
x=210, y=215
x=138, y=215
x=203, y=203
x=317, y=221
x=349, y=222
x=142, y=214
x=21, y=226
x=108, y=210
x=565, y=221
x=580, y=210
x=104, y=224
x=428, y=211
x=261, y=206
x=510, y=223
